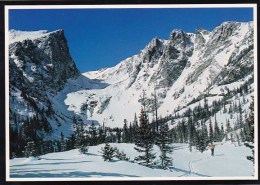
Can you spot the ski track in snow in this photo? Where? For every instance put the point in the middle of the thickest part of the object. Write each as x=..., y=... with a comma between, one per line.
x=192, y=171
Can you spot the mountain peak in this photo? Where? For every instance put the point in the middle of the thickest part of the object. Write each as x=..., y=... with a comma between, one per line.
x=19, y=35
x=177, y=33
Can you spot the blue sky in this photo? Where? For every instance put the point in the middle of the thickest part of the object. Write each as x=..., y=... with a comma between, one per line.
x=103, y=37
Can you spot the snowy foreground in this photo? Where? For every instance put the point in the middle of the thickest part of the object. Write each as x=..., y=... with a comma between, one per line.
x=229, y=161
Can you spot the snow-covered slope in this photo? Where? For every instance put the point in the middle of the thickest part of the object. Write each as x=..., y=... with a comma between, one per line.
x=185, y=67
x=229, y=161
x=19, y=36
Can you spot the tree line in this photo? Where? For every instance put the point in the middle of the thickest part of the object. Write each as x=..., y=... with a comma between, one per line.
x=189, y=127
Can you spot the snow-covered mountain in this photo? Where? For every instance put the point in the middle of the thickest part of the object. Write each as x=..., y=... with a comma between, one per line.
x=183, y=72
x=42, y=72
x=185, y=68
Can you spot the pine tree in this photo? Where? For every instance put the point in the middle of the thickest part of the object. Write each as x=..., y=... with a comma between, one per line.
x=205, y=134
x=211, y=134
x=107, y=152
x=229, y=129
x=191, y=129
x=217, y=134
x=83, y=149
x=197, y=139
x=144, y=142
x=240, y=116
x=71, y=142
x=30, y=149
x=200, y=143
x=250, y=138
x=79, y=134
x=222, y=131
x=180, y=132
x=101, y=135
x=93, y=134
x=121, y=155
x=62, y=143
x=242, y=135
x=118, y=135
x=163, y=141
x=125, y=135
x=131, y=133
x=135, y=128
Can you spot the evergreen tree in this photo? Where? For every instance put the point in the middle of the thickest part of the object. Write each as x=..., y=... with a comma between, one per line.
x=71, y=142
x=184, y=130
x=164, y=143
x=30, y=149
x=101, y=135
x=135, y=128
x=79, y=133
x=48, y=146
x=121, y=155
x=83, y=149
x=197, y=139
x=211, y=134
x=191, y=129
x=222, y=131
x=205, y=134
x=217, y=133
x=240, y=116
x=93, y=134
x=118, y=135
x=200, y=143
x=107, y=152
x=250, y=138
x=144, y=142
x=125, y=135
x=229, y=129
x=242, y=136
x=180, y=132
x=62, y=143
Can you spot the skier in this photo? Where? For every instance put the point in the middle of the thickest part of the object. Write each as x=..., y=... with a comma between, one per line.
x=211, y=147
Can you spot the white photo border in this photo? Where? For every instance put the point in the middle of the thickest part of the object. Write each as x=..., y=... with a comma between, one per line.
x=151, y=6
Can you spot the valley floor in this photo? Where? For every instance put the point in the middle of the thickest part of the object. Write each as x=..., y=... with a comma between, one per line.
x=229, y=161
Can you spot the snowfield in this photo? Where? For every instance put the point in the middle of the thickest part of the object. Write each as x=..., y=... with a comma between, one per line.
x=229, y=162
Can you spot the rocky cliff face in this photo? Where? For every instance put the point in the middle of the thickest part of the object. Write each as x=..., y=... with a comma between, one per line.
x=40, y=66
x=44, y=60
